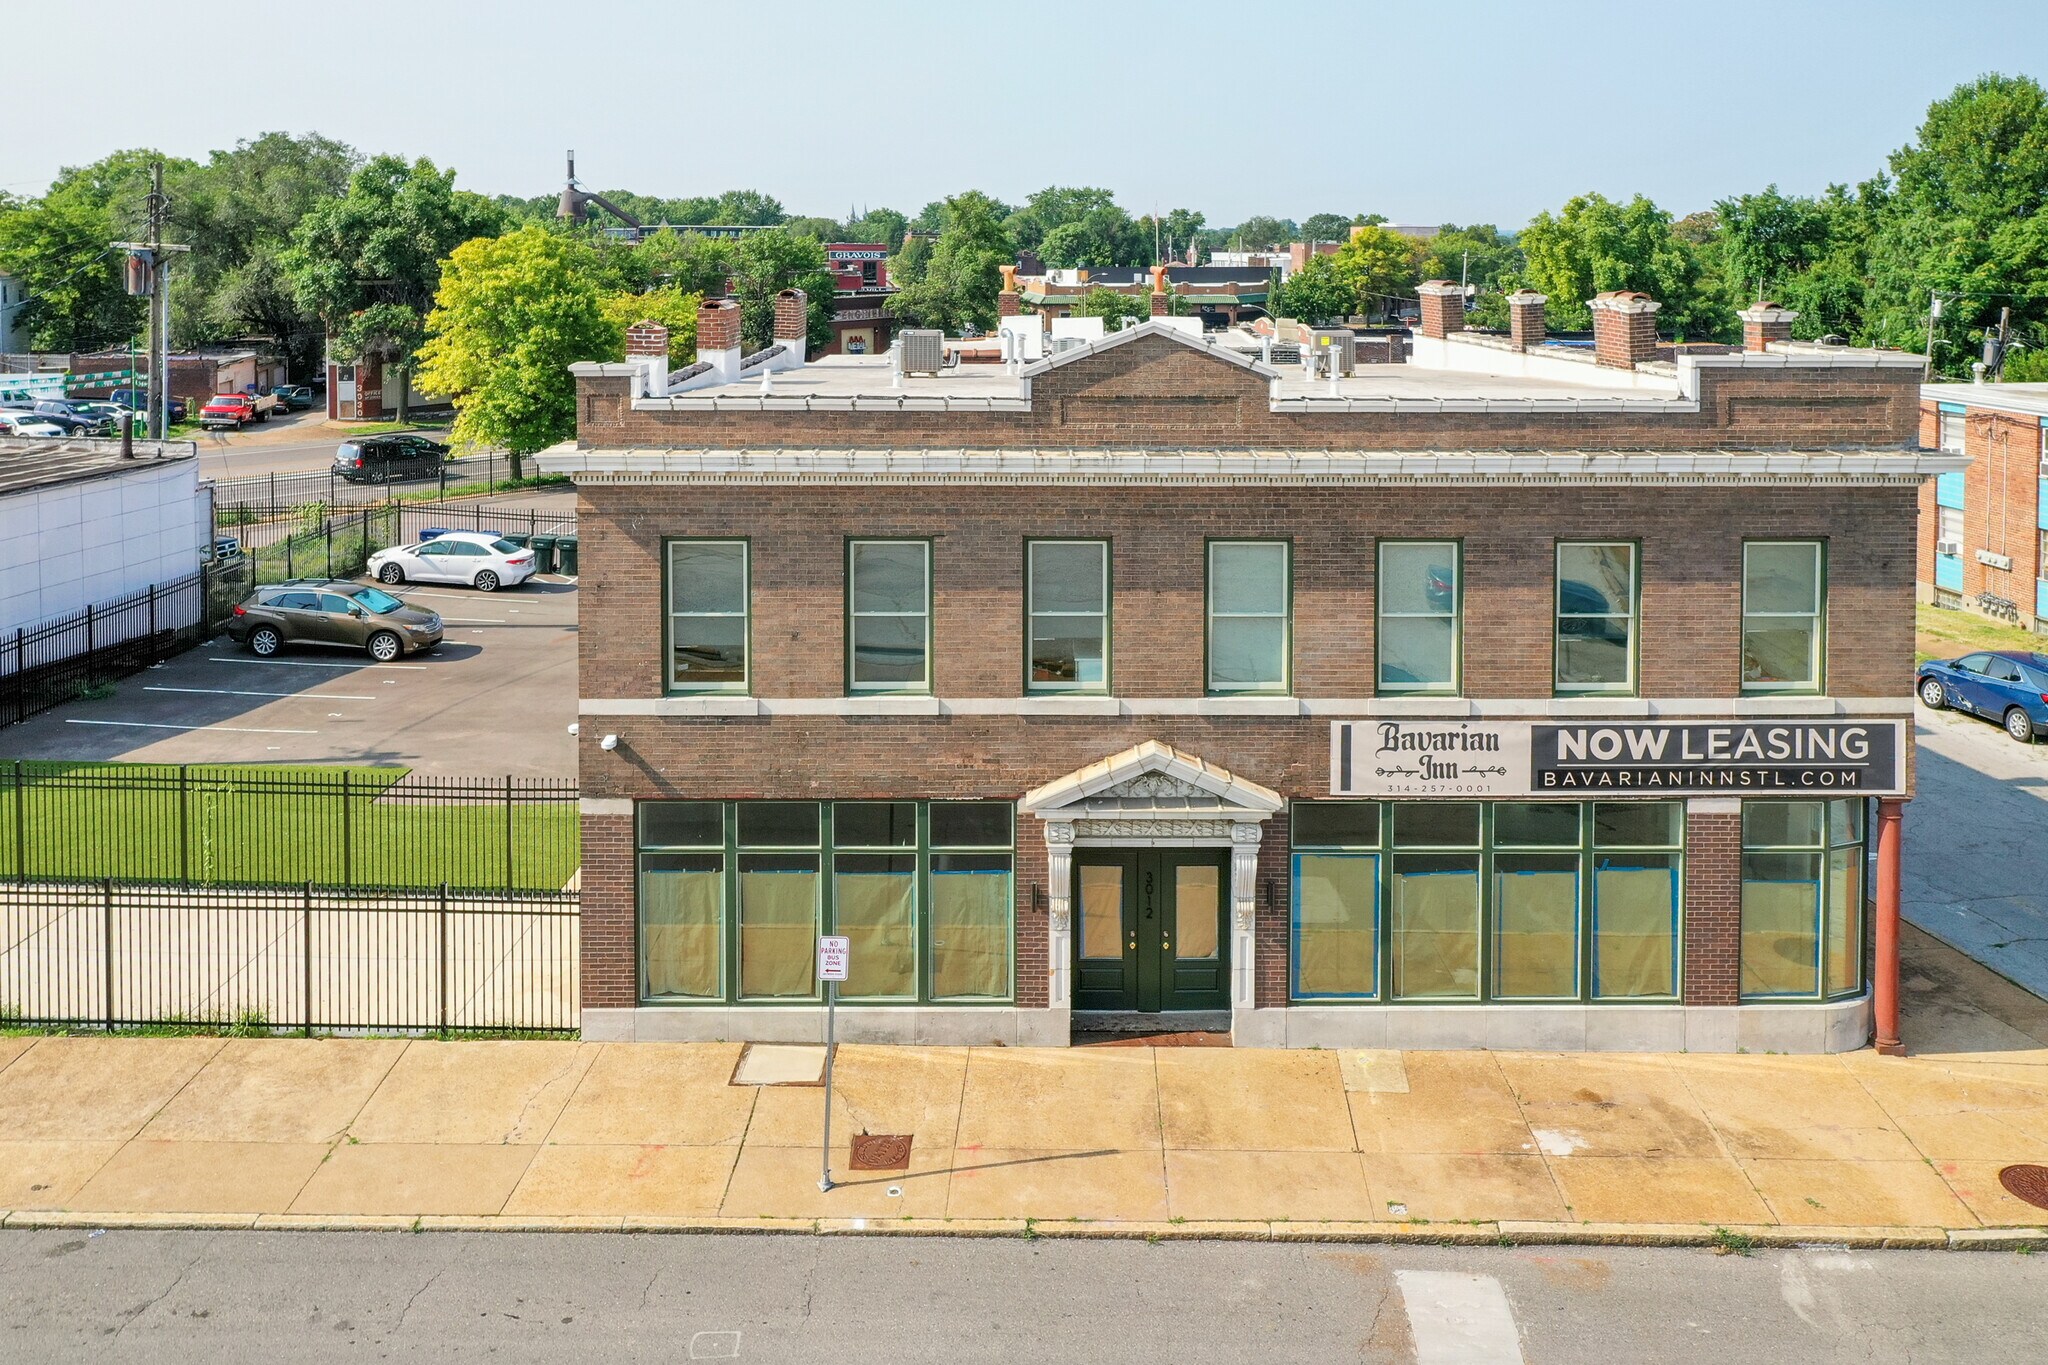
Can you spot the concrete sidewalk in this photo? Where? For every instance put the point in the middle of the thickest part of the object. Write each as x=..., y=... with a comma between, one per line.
x=1125, y=1141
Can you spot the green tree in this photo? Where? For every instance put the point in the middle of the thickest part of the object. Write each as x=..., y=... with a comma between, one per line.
x=1479, y=254
x=1595, y=244
x=817, y=229
x=672, y=308
x=746, y=206
x=368, y=264
x=57, y=247
x=1766, y=239
x=1054, y=207
x=1319, y=292
x=764, y=264
x=1108, y=305
x=510, y=315
x=1261, y=234
x=886, y=226
x=1326, y=227
x=688, y=261
x=1380, y=265
x=957, y=285
x=1179, y=230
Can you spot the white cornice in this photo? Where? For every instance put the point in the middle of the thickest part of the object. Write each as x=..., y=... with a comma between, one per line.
x=1296, y=468
x=1271, y=708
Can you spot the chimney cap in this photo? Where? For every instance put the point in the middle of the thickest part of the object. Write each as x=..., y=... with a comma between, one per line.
x=1439, y=287
x=1527, y=296
x=1623, y=301
x=1767, y=310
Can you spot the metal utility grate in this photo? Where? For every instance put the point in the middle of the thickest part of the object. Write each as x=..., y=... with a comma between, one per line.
x=2028, y=1184
x=881, y=1151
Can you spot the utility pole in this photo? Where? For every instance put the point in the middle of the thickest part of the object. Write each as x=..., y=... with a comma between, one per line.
x=154, y=256
x=2004, y=336
x=1933, y=312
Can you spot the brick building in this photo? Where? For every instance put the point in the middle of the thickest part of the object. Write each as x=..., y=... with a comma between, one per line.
x=1984, y=529
x=1512, y=695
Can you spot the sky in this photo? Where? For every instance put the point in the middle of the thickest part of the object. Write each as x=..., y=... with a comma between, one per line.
x=1423, y=111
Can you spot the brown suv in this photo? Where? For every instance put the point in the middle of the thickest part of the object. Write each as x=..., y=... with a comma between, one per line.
x=333, y=612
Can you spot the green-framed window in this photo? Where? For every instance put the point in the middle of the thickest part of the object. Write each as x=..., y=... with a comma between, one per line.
x=1596, y=594
x=708, y=609
x=889, y=615
x=1420, y=593
x=733, y=896
x=1802, y=898
x=1066, y=609
x=1486, y=901
x=1250, y=591
x=1784, y=611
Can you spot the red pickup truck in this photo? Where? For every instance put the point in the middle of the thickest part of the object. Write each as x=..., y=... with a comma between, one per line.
x=236, y=410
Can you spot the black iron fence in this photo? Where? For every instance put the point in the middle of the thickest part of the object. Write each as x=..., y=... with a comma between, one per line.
x=340, y=829
x=289, y=541
x=55, y=661
x=479, y=473
x=305, y=959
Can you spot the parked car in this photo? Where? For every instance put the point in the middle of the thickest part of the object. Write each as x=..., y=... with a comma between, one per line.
x=295, y=397
x=236, y=410
x=477, y=558
x=335, y=613
x=27, y=424
x=100, y=423
x=2009, y=686
x=69, y=423
x=138, y=401
x=385, y=459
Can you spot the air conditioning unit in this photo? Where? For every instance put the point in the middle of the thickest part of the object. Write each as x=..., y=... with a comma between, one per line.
x=1948, y=547
x=1340, y=339
x=920, y=350
x=1061, y=344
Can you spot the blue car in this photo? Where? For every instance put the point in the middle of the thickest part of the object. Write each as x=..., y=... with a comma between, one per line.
x=2009, y=686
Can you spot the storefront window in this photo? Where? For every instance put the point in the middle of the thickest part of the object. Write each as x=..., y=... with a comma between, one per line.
x=1067, y=582
x=733, y=897
x=1248, y=616
x=707, y=620
x=1596, y=618
x=1509, y=901
x=1418, y=594
x=1802, y=898
x=1782, y=599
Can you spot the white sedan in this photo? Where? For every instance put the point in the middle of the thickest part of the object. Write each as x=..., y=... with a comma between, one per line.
x=477, y=559
x=27, y=424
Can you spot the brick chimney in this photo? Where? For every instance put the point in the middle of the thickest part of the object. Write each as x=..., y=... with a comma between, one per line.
x=1443, y=307
x=1162, y=302
x=1009, y=303
x=1525, y=318
x=647, y=347
x=718, y=337
x=1764, y=322
x=1624, y=328
x=792, y=327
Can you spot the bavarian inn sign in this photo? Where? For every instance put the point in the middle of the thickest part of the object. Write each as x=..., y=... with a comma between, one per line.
x=1619, y=758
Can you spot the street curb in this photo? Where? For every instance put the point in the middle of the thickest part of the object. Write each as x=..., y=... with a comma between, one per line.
x=1737, y=1239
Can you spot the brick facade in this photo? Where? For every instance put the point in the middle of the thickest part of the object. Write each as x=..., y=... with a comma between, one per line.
x=2001, y=506
x=1713, y=907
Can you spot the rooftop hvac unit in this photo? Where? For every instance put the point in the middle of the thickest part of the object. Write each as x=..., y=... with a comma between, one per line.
x=1340, y=339
x=920, y=350
x=1062, y=344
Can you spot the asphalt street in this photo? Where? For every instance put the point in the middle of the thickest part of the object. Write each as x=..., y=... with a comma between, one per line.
x=78, y=1294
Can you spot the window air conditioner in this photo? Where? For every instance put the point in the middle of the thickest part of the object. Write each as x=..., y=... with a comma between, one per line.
x=1948, y=547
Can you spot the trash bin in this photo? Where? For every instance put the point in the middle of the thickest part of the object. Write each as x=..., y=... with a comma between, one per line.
x=567, y=545
x=434, y=532
x=543, y=554
x=519, y=538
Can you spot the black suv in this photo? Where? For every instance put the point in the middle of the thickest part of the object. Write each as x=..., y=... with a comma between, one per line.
x=386, y=459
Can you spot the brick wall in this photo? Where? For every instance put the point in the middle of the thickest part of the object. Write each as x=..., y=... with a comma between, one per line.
x=2001, y=496
x=1691, y=569
x=1158, y=392
x=1713, y=908
x=1272, y=926
x=609, y=970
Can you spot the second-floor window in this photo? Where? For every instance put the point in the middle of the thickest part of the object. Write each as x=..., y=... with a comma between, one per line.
x=889, y=615
x=1418, y=616
x=1596, y=617
x=1782, y=596
x=1951, y=431
x=1066, y=583
x=1249, y=593
x=707, y=615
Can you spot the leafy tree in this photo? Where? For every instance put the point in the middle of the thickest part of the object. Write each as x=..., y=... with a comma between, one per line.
x=2026, y=367
x=1108, y=305
x=1766, y=238
x=1054, y=207
x=746, y=206
x=817, y=229
x=1325, y=227
x=57, y=247
x=1101, y=238
x=369, y=263
x=1595, y=244
x=1479, y=254
x=1380, y=265
x=1321, y=291
x=1178, y=231
x=238, y=211
x=957, y=284
x=764, y=264
x=688, y=261
x=886, y=226
x=1261, y=234
x=932, y=217
x=672, y=308
x=510, y=315
x=908, y=265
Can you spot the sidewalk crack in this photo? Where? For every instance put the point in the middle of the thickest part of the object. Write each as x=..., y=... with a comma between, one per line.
x=415, y=1297
x=176, y=1280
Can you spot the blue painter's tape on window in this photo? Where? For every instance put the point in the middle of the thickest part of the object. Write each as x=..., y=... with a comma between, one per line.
x=1948, y=572
x=1948, y=489
x=1953, y=407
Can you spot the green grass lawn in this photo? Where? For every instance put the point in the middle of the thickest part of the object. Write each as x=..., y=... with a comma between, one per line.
x=1941, y=633
x=254, y=825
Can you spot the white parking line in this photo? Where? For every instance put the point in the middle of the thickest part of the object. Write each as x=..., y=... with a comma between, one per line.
x=473, y=620
x=303, y=663
x=231, y=692
x=451, y=596
x=146, y=725
x=1459, y=1319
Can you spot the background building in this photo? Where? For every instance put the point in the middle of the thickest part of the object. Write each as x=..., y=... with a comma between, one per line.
x=1984, y=528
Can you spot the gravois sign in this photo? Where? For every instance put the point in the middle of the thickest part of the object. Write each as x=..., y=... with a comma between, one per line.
x=1448, y=758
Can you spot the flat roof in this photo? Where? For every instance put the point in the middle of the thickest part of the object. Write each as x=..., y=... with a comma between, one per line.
x=27, y=464
x=2029, y=400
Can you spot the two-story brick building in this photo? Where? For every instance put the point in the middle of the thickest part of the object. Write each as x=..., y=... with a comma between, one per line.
x=1984, y=529
x=1515, y=695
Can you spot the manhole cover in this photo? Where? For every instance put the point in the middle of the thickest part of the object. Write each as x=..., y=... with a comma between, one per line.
x=2028, y=1183
x=881, y=1152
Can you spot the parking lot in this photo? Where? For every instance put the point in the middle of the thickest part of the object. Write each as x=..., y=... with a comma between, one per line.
x=496, y=698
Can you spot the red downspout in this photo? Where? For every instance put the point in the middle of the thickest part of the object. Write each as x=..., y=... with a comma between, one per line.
x=1884, y=986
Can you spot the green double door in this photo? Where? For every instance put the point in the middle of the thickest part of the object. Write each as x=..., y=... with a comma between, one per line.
x=1149, y=930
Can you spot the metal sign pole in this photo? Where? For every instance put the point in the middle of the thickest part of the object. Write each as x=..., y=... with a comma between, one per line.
x=825, y=1154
